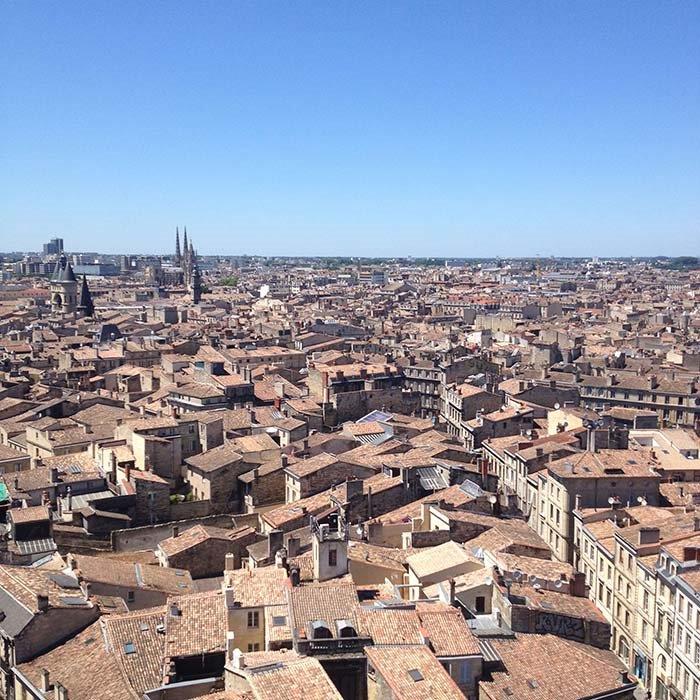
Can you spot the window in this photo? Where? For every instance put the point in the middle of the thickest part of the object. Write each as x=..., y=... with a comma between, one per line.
x=253, y=619
x=332, y=557
x=254, y=647
x=130, y=597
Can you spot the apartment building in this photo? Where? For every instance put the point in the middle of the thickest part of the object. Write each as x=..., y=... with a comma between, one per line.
x=589, y=480
x=677, y=639
x=515, y=459
x=676, y=401
x=462, y=402
x=622, y=551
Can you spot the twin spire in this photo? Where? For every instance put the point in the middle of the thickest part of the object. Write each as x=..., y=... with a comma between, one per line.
x=187, y=257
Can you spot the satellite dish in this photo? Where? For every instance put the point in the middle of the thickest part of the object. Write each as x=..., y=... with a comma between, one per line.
x=557, y=406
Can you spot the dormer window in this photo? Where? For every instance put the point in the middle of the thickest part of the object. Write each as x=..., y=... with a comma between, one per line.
x=320, y=630
x=345, y=629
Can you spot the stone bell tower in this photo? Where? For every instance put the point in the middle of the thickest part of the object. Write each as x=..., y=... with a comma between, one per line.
x=64, y=287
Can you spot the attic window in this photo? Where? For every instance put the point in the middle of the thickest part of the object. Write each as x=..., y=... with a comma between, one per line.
x=345, y=628
x=321, y=630
x=415, y=674
x=279, y=621
x=129, y=648
x=533, y=684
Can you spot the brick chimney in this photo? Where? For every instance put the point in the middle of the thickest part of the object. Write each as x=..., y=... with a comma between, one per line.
x=577, y=585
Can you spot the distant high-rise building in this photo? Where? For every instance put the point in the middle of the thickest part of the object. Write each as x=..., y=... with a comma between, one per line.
x=53, y=247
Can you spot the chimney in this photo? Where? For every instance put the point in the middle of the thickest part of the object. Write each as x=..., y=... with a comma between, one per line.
x=648, y=535
x=127, y=472
x=45, y=681
x=285, y=461
x=176, y=531
x=294, y=576
x=275, y=540
x=281, y=558
x=230, y=597
x=42, y=602
x=54, y=475
x=238, y=659
x=293, y=546
x=353, y=488
x=453, y=591
x=72, y=562
x=231, y=646
x=230, y=560
x=577, y=502
x=577, y=585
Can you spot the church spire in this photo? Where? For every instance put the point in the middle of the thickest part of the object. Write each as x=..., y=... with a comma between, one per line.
x=85, y=303
x=184, y=247
x=196, y=287
x=178, y=255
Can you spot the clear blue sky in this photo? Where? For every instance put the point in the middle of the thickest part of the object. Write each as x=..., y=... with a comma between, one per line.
x=366, y=128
